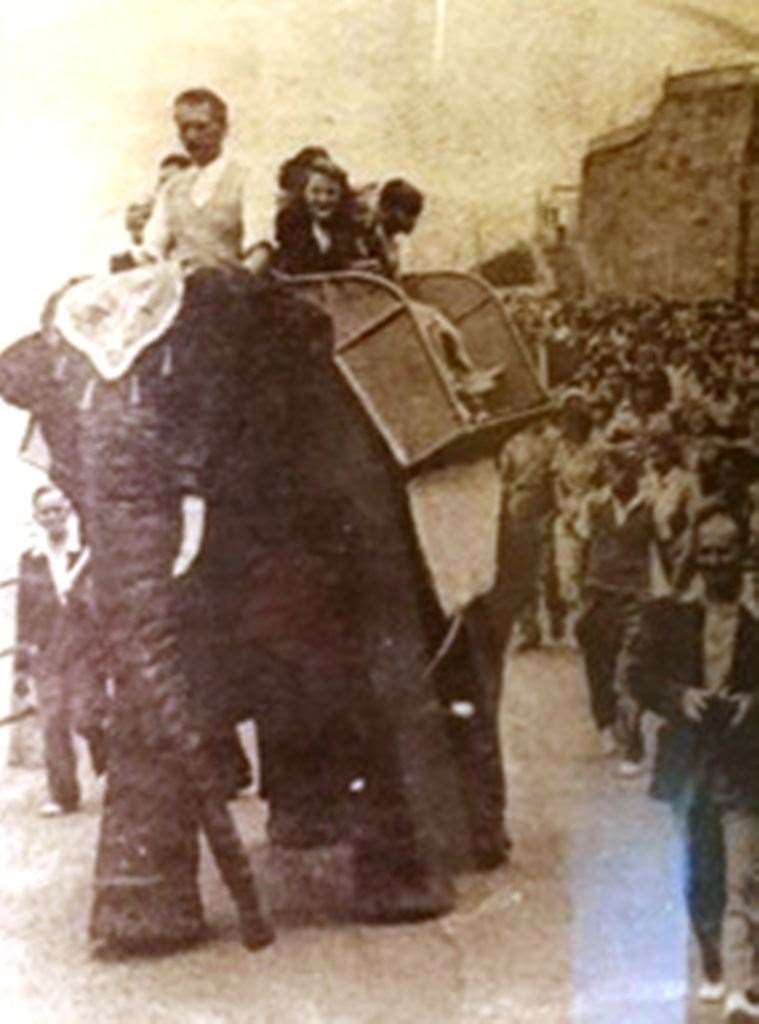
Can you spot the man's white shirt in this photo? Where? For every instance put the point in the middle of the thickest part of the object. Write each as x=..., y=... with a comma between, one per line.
x=256, y=216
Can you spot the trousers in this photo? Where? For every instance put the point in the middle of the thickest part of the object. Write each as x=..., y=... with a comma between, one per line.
x=699, y=826
x=602, y=631
x=741, y=943
x=70, y=700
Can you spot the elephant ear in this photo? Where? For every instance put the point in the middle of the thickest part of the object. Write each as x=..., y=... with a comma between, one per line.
x=48, y=381
x=27, y=373
x=31, y=368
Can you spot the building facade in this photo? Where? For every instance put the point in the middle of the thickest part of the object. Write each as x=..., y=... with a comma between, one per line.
x=670, y=205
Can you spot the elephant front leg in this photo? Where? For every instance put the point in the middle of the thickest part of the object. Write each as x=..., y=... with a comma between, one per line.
x=470, y=686
x=162, y=785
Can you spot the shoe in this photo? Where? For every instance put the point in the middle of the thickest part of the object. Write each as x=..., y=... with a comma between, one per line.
x=629, y=769
x=400, y=904
x=739, y=1009
x=608, y=742
x=54, y=810
x=710, y=950
x=711, y=991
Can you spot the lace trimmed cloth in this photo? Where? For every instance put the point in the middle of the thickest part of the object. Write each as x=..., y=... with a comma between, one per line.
x=113, y=318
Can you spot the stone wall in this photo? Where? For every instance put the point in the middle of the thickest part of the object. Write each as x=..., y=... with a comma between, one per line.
x=671, y=205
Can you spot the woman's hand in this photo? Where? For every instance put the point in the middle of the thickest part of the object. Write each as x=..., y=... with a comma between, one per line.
x=694, y=702
x=743, y=704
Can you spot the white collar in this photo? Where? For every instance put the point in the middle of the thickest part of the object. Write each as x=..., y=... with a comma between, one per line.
x=42, y=547
x=621, y=512
x=322, y=236
x=64, y=576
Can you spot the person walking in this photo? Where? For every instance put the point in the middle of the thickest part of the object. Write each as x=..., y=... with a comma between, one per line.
x=692, y=660
x=62, y=686
x=617, y=524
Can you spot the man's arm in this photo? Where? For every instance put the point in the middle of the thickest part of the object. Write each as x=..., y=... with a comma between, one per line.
x=22, y=656
x=259, y=258
x=157, y=236
x=257, y=244
x=583, y=522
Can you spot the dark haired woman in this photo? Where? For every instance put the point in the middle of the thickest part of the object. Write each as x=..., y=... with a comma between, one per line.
x=315, y=233
x=293, y=172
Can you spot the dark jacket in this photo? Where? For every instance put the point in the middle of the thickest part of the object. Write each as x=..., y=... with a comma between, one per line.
x=664, y=658
x=298, y=251
x=37, y=608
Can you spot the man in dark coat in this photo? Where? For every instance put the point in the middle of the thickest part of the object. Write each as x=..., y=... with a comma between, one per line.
x=694, y=663
x=52, y=639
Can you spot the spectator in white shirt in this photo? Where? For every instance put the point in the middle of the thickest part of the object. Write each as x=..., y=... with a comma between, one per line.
x=51, y=631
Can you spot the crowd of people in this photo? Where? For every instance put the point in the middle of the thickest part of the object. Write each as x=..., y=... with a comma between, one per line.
x=649, y=534
x=658, y=407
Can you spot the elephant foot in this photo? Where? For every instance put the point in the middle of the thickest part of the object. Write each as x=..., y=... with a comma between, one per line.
x=113, y=949
x=400, y=897
x=399, y=904
x=490, y=854
x=142, y=917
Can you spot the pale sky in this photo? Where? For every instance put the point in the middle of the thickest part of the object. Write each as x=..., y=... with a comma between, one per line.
x=480, y=102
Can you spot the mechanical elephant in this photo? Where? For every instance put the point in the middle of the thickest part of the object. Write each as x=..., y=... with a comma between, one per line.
x=308, y=607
